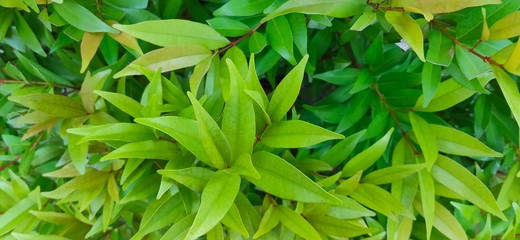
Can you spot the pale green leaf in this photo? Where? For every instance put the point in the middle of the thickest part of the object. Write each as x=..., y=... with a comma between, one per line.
x=286, y=92
x=367, y=157
x=195, y=178
x=242, y=7
x=151, y=149
x=378, y=200
x=123, y=102
x=409, y=30
x=179, y=229
x=217, y=198
x=124, y=132
x=160, y=213
x=442, y=6
x=453, y=141
x=445, y=222
x=295, y=222
x=348, y=209
x=449, y=93
x=233, y=220
x=296, y=134
x=427, y=191
x=338, y=228
x=510, y=91
x=33, y=236
x=52, y=104
x=168, y=59
x=81, y=18
x=244, y=166
x=199, y=72
x=268, y=222
x=471, y=65
x=426, y=139
x=368, y=18
x=333, y=8
x=284, y=180
x=506, y=27
x=392, y=174
x=280, y=38
x=89, y=46
x=174, y=32
x=459, y=179
x=228, y=26
x=90, y=84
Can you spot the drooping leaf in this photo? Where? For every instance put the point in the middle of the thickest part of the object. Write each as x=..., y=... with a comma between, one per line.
x=333, y=8
x=81, y=18
x=286, y=92
x=426, y=139
x=217, y=197
x=280, y=37
x=367, y=157
x=296, y=134
x=52, y=104
x=453, y=141
x=168, y=59
x=510, y=91
x=284, y=180
x=459, y=179
x=175, y=32
x=409, y=30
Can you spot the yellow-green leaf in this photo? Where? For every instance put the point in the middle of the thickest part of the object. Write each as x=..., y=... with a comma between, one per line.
x=296, y=223
x=392, y=174
x=367, y=157
x=426, y=139
x=510, y=91
x=409, y=30
x=174, y=32
x=123, y=102
x=168, y=59
x=445, y=222
x=217, y=198
x=453, y=141
x=461, y=180
x=52, y=104
x=152, y=149
x=427, y=190
x=506, y=27
x=124, y=132
x=333, y=8
x=89, y=46
x=81, y=18
x=296, y=134
x=195, y=178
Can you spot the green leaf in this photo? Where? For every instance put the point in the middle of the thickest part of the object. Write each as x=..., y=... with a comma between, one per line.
x=89, y=46
x=244, y=166
x=124, y=132
x=8, y=16
x=378, y=199
x=179, y=229
x=445, y=222
x=228, y=26
x=159, y=213
x=199, y=72
x=338, y=228
x=217, y=198
x=349, y=209
x=427, y=190
x=298, y=23
x=368, y=18
x=471, y=65
x=268, y=222
x=431, y=78
x=448, y=94
x=506, y=27
x=426, y=139
x=442, y=6
x=213, y=140
x=453, y=141
x=168, y=59
x=78, y=152
x=440, y=49
x=238, y=119
x=459, y=179
x=32, y=236
x=233, y=220
x=90, y=84
x=152, y=149
x=280, y=37
x=185, y=131
x=296, y=223
x=27, y=35
x=174, y=32
x=242, y=7
x=123, y=102
x=340, y=76
x=286, y=92
x=341, y=150
x=195, y=178
x=392, y=174
x=52, y=104
x=510, y=91
x=81, y=18
x=296, y=134
x=257, y=42
x=284, y=180
x=333, y=8
x=367, y=157
x=409, y=30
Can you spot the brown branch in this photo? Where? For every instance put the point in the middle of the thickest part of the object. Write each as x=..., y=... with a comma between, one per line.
x=242, y=38
x=6, y=81
x=394, y=117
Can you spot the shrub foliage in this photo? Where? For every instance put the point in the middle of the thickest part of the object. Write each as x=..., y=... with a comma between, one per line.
x=270, y=119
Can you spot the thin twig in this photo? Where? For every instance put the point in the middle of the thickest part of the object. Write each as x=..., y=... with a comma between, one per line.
x=6, y=81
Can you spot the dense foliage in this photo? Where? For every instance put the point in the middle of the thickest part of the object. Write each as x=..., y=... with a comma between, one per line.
x=270, y=119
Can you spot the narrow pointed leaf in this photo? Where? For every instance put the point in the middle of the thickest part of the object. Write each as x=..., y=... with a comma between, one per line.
x=152, y=149
x=445, y=222
x=284, y=180
x=81, y=18
x=427, y=190
x=195, y=178
x=506, y=27
x=125, y=132
x=453, y=141
x=280, y=38
x=333, y=8
x=426, y=139
x=409, y=30
x=296, y=223
x=123, y=102
x=296, y=134
x=392, y=174
x=217, y=197
x=89, y=46
x=510, y=91
x=52, y=104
